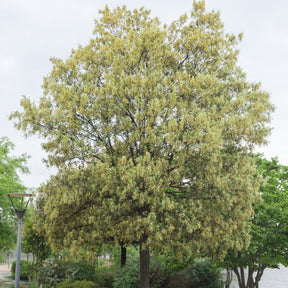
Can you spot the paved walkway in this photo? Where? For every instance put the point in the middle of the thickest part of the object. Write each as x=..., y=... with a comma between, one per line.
x=5, y=280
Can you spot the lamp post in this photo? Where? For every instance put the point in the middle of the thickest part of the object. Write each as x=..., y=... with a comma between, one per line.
x=20, y=209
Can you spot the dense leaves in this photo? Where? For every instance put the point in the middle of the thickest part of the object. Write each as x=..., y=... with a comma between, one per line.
x=10, y=168
x=55, y=271
x=152, y=129
x=25, y=269
x=35, y=243
x=269, y=230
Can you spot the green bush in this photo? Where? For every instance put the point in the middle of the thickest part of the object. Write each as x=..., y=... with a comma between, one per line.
x=106, y=276
x=64, y=284
x=201, y=274
x=172, y=263
x=204, y=274
x=80, y=271
x=25, y=269
x=52, y=273
x=33, y=283
x=128, y=276
x=76, y=284
x=58, y=271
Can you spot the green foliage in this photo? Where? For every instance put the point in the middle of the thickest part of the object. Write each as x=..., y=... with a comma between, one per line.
x=10, y=168
x=173, y=264
x=33, y=283
x=164, y=133
x=52, y=273
x=269, y=232
x=105, y=276
x=34, y=243
x=58, y=271
x=25, y=269
x=81, y=270
x=201, y=274
x=64, y=284
x=76, y=284
x=151, y=128
x=128, y=277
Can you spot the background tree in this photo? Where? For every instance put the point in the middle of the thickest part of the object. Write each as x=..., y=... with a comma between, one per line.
x=35, y=243
x=165, y=121
x=10, y=168
x=269, y=230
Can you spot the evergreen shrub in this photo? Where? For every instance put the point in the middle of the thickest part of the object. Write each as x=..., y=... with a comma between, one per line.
x=57, y=271
x=25, y=269
x=76, y=284
x=128, y=276
x=201, y=274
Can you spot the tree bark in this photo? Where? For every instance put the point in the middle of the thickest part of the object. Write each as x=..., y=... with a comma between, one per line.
x=123, y=256
x=144, y=267
x=228, y=279
x=239, y=279
x=251, y=281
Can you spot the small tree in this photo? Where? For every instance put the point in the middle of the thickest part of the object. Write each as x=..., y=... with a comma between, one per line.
x=269, y=232
x=35, y=244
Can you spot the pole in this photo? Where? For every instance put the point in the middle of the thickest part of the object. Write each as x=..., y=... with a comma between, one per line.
x=18, y=255
x=20, y=211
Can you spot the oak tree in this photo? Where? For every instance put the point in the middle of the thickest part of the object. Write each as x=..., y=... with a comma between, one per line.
x=165, y=121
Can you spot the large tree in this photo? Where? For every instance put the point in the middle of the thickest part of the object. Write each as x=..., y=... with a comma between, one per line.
x=10, y=168
x=269, y=230
x=166, y=121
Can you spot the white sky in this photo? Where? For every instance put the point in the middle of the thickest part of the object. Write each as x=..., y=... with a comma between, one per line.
x=33, y=31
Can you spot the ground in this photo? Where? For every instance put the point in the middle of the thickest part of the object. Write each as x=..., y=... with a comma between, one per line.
x=5, y=280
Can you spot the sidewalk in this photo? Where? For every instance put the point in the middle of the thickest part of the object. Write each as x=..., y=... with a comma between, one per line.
x=5, y=281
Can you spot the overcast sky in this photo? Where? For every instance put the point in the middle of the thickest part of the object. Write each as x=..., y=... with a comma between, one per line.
x=33, y=31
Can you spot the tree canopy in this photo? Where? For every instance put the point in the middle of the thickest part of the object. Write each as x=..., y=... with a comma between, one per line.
x=164, y=121
x=10, y=168
x=269, y=231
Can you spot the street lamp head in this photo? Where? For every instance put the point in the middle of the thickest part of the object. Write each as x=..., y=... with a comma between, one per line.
x=19, y=206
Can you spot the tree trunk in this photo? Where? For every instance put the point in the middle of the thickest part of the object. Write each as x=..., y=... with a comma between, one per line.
x=241, y=281
x=228, y=279
x=144, y=267
x=259, y=275
x=251, y=281
x=123, y=256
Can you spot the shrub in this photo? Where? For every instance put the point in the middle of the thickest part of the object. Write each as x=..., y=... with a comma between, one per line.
x=106, y=276
x=83, y=284
x=25, y=269
x=204, y=274
x=58, y=271
x=76, y=284
x=128, y=276
x=34, y=283
x=201, y=274
x=52, y=273
x=64, y=284
x=81, y=271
